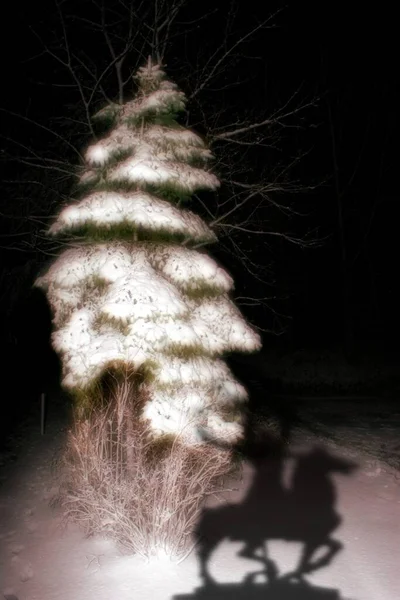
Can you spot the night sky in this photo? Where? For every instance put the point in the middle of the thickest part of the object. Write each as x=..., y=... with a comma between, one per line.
x=346, y=285
x=333, y=298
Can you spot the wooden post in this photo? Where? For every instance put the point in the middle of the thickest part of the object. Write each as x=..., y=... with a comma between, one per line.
x=42, y=412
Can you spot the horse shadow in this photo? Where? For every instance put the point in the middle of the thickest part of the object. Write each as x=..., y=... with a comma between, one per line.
x=304, y=512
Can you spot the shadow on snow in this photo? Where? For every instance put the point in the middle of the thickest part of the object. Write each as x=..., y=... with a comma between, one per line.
x=304, y=512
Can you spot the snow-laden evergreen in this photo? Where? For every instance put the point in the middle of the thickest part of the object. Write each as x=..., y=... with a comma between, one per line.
x=131, y=289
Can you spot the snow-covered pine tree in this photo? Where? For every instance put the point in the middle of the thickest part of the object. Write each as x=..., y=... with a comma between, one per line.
x=133, y=291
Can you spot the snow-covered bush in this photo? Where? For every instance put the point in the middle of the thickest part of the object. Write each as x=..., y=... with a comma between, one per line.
x=152, y=509
x=131, y=290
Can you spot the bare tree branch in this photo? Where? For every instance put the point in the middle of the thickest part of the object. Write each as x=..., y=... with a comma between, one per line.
x=125, y=34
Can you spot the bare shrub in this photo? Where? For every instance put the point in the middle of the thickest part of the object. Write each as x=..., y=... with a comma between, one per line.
x=144, y=493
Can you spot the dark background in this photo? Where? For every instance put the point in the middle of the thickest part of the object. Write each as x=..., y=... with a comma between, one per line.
x=341, y=293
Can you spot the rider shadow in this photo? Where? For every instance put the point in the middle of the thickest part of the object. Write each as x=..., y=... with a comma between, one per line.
x=305, y=512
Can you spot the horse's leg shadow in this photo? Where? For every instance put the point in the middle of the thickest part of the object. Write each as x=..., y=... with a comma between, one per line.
x=306, y=566
x=204, y=551
x=250, y=551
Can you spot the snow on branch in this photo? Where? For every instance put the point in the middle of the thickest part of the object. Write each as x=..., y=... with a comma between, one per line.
x=134, y=303
x=145, y=169
x=176, y=144
x=140, y=210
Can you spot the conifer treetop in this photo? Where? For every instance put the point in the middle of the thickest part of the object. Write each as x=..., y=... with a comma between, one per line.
x=145, y=163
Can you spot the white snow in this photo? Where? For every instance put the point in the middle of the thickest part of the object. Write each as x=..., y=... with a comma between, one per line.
x=76, y=265
x=89, y=177
x=139, y=209
x=199, y=370
x=142, y=293
x=161, y=142
x=220, y=325
x=208, y=383
x=127, y=303
x=162, y=101
x=144, y=168
x=158, y=93
x=176, y=412
x=40, y=559
x=176, y=137
x=116, y=262
x=199, y=404
x=189, y=269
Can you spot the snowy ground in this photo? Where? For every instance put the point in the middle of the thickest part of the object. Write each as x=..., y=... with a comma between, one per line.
x=40, y=559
